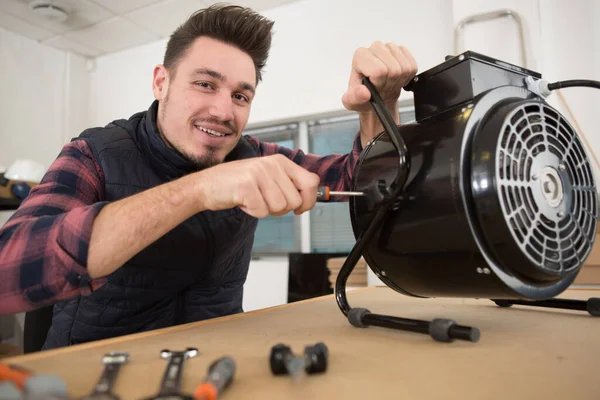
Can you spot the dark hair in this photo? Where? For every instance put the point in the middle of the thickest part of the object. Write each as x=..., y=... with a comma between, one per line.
x=235, y=25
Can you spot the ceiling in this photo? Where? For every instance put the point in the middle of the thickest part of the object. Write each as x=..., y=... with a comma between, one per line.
x=98, y=27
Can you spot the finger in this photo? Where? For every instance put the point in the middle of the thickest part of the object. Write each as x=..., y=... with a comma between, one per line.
x=252, y=201
x=286, y=185
x=365, y=63
x=309, y=196
x=356, y=96
x=307, y=183
x=410, y=58
x=402, y=60
x=272, y=194
x=389, y=58
x=413, y=68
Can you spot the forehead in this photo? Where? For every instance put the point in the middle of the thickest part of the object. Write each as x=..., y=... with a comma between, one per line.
x=231, y=62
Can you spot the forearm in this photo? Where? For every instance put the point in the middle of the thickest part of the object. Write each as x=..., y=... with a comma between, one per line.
x=370, y=125
x=125, y=227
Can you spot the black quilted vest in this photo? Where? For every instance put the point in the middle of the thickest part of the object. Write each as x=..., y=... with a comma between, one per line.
x=195, y=272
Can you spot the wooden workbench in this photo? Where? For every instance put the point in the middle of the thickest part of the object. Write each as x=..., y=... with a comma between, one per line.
x=524, y=353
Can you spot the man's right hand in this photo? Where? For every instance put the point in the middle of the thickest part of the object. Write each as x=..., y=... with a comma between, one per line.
x=272, y=185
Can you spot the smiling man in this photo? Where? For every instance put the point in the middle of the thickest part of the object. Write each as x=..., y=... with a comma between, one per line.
x=149, y=221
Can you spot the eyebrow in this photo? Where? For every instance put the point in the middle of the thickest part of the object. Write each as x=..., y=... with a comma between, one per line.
x=217, y=75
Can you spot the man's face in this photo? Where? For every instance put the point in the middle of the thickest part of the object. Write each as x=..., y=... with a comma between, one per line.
x=204, y=107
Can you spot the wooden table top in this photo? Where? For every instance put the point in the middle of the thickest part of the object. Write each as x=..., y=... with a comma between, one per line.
x=523, y=353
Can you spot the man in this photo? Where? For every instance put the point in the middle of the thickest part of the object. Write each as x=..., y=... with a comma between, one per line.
x=149, y=222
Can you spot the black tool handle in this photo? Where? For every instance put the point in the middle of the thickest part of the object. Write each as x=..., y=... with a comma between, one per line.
x=221, y=373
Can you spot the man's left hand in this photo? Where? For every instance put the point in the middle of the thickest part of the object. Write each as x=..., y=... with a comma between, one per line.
x=390, y=68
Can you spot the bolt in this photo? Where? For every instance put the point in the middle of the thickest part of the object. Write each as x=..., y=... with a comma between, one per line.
x=479, y=270
x=461, y=57
x=416, y=79
x=561, y=166
x=383, y=273
x=560, y=214
x=487, y=271
x=534, y=177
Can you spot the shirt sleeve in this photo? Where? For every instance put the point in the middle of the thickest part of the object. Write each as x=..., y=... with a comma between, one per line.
x=44, y=245
x=335, y=171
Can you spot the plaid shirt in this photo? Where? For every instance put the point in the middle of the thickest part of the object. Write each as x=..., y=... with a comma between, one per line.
x=44, y=246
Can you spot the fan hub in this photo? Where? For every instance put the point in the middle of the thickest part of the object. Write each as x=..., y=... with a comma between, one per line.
x=552, y=187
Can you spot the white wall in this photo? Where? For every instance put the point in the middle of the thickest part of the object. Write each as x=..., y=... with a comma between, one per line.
x=121, y=83
x=310, y=58
x=314, y=42
x=78, y=96
x=571, y=46
x=267, y=283
x=40, y=85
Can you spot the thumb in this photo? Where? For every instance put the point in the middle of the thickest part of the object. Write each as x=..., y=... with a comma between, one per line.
x=355, y=97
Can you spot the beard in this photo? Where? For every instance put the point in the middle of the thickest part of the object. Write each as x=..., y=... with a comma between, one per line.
x=210, y=157
x=202, y=161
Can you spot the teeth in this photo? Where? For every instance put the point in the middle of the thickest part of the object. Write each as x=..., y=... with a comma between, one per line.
x=211, y=132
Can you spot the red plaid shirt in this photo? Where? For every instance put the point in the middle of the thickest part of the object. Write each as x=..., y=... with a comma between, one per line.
x=44, y=246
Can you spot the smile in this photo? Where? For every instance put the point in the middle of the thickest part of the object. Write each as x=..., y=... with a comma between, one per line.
x=211, y=132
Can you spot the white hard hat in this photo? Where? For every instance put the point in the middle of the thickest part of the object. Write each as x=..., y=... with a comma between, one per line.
x=25, y=170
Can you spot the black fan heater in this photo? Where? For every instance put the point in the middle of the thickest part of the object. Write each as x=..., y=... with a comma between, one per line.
x=488, y=194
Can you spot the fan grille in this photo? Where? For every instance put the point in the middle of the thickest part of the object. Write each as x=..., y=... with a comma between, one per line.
x=546, y=188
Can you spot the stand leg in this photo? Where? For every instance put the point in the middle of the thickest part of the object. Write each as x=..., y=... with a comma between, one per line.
x=592, y=305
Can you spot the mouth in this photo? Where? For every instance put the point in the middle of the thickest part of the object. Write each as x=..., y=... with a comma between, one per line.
x=212, y=132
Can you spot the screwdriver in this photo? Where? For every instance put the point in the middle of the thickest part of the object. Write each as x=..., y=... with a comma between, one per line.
x=324, y=194
x=219, y=377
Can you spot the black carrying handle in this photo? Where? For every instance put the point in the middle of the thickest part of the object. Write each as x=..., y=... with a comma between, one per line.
x=388, y=195
x=390, y=127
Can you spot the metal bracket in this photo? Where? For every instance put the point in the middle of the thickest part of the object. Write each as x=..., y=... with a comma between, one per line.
x=488, y=16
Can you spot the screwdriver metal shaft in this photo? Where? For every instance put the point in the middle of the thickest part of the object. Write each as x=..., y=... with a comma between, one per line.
x=324, y=194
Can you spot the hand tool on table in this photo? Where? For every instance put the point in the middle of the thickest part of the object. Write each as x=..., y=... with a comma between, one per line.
x=171, y=383
x=219, y=377
x=34, y=386
x=284, y=362
x=112, y=364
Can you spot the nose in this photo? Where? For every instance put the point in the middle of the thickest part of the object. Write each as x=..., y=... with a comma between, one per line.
x=222, y=106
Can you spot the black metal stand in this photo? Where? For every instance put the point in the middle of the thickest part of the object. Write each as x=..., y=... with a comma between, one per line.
x=591, y=305
x=443, y=330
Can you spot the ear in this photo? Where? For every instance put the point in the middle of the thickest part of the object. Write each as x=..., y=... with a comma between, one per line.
x=160, y=82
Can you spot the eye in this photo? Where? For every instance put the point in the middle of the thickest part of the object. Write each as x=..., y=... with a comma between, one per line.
x=241, y=97
x=204, y=84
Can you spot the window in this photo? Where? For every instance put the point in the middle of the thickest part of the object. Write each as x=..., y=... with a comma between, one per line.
x=330, y=226
x=277, y=235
